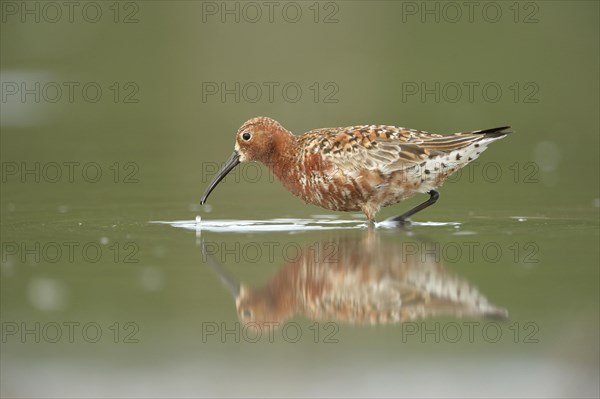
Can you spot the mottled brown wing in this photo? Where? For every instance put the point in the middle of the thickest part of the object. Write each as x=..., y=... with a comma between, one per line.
x=384, y=148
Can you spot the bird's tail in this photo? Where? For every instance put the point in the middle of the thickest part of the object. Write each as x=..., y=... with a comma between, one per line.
x=495, y=132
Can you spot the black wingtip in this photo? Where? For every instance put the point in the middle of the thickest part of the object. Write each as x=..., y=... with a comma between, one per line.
x=495, y=132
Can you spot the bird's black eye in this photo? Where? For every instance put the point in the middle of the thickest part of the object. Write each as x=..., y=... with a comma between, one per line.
x=246, y=313
x=246, y=136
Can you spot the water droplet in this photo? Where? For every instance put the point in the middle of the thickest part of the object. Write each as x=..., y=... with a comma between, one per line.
x=104, y=240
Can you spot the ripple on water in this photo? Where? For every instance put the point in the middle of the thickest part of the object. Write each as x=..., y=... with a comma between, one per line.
x=284, y=224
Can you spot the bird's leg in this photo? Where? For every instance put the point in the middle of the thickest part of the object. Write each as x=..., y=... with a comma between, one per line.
x=433, y=197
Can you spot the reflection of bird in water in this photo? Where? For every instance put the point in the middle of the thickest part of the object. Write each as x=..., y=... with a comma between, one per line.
x=360, y=284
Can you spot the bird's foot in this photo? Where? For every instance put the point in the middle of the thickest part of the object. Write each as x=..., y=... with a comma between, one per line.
x=400, y=221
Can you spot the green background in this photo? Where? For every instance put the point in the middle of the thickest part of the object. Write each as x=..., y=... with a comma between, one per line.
x=165, y=134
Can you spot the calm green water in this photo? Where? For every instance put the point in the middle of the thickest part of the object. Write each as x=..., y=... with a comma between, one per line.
x=99, y=300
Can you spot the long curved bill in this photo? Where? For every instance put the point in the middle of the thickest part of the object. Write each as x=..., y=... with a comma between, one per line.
x=230, y=164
